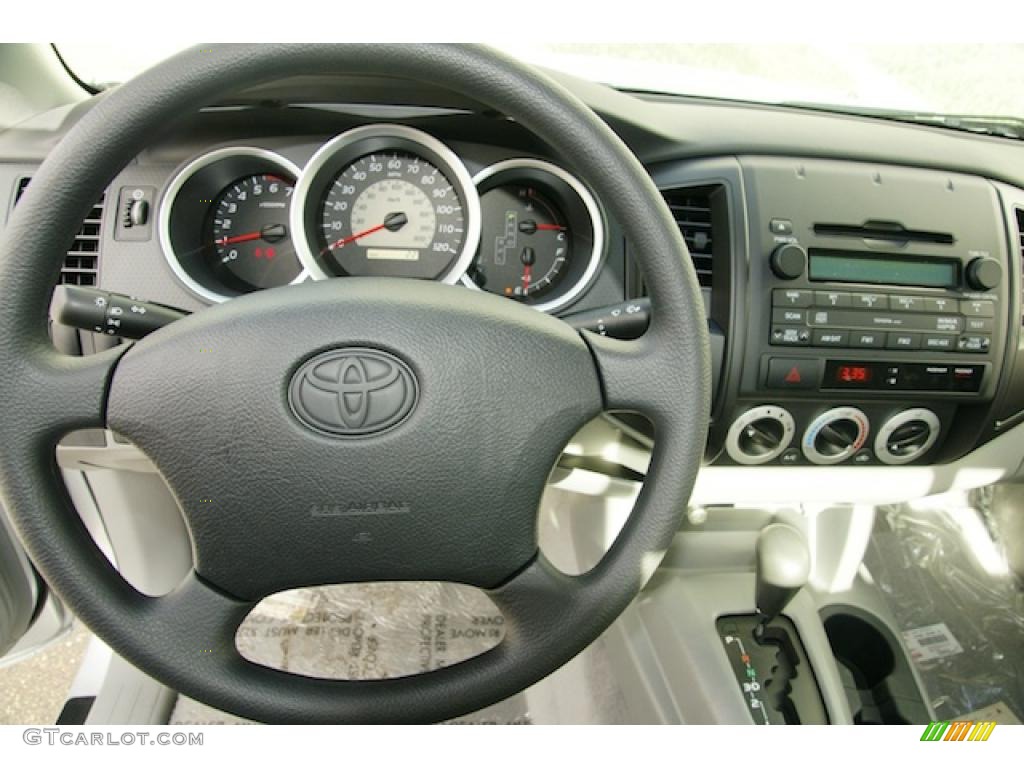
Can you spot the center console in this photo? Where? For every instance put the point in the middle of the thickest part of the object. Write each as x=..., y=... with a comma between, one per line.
x=878, y=310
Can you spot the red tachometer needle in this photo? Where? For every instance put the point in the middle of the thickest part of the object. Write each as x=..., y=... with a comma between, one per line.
x=240, y=238
x=527, y=272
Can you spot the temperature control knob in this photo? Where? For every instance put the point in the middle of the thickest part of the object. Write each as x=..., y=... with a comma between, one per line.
x=835, y=435
x=788, y=261
x=984, y=274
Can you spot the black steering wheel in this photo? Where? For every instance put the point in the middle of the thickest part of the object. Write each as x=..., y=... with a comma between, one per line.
x=492, y=392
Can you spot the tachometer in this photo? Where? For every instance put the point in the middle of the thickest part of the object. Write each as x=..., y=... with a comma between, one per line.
x=225, y=223
x=386, y=201
x=248, y=233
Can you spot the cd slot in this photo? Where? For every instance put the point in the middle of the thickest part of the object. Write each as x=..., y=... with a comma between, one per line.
x=883, y=230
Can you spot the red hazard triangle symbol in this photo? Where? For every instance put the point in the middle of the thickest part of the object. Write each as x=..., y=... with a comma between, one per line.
x=793, y=377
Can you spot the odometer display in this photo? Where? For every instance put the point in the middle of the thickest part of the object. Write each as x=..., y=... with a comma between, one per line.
x=392, y=214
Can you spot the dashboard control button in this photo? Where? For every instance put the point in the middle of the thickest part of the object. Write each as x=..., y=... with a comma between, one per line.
x=984, y=274
x=760, y=435
x=793, y=373
x=831, y=338
x=869, y=301
x=788, y=316
x=791, y=336
x=835, y=435
x=872, y=339
x=973, y=344
x=944, y=343
x=979, y=324
x=906, y=304
x=790, y=456
x=788, y=261
x=903, y=341
x=907, y=436
x=940, y=305
x=864, y=457
x=978, y=308
x=835, y=299
x=781, y=227
x=790, y=298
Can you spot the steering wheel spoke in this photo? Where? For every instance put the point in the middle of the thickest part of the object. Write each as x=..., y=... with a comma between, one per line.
x=69, y=392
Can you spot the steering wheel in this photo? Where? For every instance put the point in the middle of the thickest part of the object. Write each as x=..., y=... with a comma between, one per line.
x=491, y=391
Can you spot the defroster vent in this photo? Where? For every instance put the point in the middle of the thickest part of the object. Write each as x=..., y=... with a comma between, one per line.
x=81, y=264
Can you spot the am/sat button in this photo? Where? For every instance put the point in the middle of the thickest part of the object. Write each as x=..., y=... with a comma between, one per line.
x=793, y=373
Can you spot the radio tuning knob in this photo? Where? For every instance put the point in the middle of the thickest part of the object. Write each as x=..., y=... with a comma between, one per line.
x=984, y=274
x=788, y=261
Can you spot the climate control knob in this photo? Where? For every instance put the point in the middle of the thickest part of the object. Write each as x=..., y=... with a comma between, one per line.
x=788, y=261
x=835, y=435
x=907, y=436
x=760, y=435
x=984, y=274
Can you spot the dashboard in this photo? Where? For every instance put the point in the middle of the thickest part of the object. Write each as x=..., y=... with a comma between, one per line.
x=380, y=200
x=861, y=278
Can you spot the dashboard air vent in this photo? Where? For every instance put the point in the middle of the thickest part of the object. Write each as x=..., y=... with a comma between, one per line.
x=81, y=264
x=691, y=207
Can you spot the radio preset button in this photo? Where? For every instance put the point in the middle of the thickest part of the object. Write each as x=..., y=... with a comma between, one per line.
x=940, y=306
x=978, y=308
x=831, y=338
x=790, y=298
x=939, y=342
x=903, y=341
x=835, y=299
x=781, y=226
x=906, y=303
x=869, y=301
x=867, y=339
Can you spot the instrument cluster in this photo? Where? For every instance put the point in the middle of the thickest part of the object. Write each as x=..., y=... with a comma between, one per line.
x=381, y=201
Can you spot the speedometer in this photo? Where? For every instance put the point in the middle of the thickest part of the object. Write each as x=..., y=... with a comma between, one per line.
x=386, y=201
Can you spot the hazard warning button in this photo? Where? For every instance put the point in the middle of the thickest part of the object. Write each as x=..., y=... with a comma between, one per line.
x=793, y=373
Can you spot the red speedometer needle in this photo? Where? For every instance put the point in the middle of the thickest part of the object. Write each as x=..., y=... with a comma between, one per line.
x=392, y=222
x=240, y=238
x=353, y=238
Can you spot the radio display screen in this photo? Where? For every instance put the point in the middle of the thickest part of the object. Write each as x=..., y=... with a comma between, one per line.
x=854, y=267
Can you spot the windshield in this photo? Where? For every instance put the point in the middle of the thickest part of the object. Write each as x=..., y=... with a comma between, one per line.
x=983, y=80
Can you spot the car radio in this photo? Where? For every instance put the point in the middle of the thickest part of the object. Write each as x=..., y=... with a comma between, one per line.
x=878, y=304
x=915, y=306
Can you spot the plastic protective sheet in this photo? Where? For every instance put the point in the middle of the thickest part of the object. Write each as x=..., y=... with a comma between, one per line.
x=369, y=631
x=941, y=564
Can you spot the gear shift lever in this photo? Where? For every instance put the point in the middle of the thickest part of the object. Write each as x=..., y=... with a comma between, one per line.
x=783, y=565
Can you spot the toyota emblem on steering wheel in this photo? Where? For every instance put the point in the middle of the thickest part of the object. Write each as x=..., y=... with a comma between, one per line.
x=353, y=392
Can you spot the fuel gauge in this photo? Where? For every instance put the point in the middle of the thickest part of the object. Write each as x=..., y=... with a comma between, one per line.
x=542, y=234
